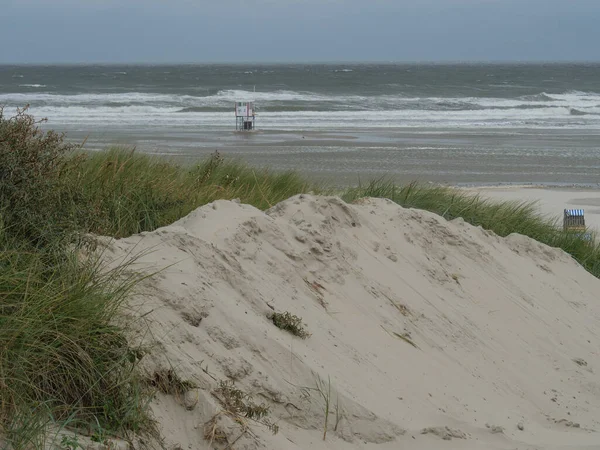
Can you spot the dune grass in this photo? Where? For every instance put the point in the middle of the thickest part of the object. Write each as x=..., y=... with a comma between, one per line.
x=63, y=355
x=130, y=192
x=503, y=218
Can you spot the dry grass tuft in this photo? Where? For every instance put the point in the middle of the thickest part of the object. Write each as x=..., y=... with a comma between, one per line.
x=240, y=407
x=168, y=382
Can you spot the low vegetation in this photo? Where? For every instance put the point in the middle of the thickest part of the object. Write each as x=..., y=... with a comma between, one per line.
x=65, y=357
x=169, y=382
x=240, y=407
x=290, y=323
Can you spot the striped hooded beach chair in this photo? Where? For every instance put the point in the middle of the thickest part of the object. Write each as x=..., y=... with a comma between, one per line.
x=574, y=220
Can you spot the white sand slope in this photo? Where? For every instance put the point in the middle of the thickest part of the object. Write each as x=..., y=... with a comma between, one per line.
x=506, y=332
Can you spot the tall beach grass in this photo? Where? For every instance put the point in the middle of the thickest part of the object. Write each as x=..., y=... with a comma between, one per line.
x=130, y=192
x=64, y=353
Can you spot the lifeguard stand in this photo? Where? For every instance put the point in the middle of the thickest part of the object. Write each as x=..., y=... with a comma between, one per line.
x=244, y=116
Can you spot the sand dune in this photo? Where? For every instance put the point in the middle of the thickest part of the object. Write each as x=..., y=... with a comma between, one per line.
x=433, y=334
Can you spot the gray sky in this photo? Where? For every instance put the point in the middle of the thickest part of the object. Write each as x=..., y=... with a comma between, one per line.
x=163, y=31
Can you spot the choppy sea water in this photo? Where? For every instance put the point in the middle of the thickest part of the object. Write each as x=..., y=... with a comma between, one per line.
x=458, y=123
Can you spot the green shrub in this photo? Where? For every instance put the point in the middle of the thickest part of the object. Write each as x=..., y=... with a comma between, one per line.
x=34, y=200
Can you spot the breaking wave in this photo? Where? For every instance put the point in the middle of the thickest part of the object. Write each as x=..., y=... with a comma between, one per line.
x=312, y=109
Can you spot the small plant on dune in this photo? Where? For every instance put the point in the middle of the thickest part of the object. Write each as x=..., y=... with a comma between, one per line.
x=290, y=323
x=168, y=382
x=325, y=393
x=239, y=403
x=240, y=407
x=71, y=443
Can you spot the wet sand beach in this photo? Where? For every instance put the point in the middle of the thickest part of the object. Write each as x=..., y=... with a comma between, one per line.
x=342, y=157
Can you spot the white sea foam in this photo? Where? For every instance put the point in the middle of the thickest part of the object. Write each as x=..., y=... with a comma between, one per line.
x=135, y=116
x=288, y=109
x=221, y=97
x=227, y=97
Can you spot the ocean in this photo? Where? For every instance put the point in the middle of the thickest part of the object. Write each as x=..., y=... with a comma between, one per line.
x=452, y=123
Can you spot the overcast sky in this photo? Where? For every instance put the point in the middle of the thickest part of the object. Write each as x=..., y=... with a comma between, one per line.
x=163, y=31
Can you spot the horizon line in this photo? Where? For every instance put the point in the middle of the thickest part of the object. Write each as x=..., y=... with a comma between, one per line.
x=299, y=62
